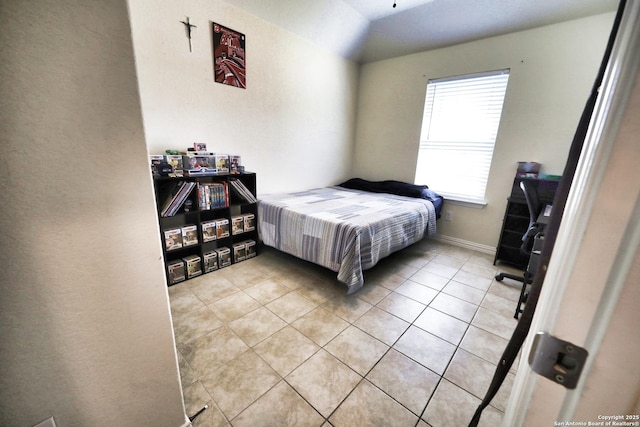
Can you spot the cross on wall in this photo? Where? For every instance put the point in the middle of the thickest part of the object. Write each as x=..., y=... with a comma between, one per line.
x=188, y=27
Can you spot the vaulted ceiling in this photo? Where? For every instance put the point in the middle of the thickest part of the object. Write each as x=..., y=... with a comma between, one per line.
x=371, y=30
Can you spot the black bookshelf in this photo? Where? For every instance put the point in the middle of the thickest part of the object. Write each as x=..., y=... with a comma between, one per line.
x=213, y=199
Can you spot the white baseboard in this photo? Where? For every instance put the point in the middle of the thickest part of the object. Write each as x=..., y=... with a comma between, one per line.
x=465, y=244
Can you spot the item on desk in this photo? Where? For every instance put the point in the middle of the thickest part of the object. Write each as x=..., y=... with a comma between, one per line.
x=528, y=169
x=549, y=177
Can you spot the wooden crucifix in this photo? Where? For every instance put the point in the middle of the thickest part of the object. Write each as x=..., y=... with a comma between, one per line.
x=188, y=26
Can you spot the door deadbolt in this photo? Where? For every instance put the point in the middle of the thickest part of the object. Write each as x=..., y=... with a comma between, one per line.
x=558, y=360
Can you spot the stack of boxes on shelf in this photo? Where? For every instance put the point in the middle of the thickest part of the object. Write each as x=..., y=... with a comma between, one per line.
x=196, y=161
x=202, y=223
x=243, y=224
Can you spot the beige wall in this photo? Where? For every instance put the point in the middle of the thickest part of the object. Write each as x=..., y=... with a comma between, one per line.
x=552, y=71
x=84, y=315
x=294, y=123
x=592, y=311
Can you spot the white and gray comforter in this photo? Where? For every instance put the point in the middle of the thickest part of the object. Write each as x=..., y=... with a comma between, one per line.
x=347, y=231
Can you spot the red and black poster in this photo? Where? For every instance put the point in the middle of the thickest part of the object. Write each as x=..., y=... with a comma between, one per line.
x=229, y=56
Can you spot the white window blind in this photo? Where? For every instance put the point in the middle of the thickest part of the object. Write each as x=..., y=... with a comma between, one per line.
x=459, y=129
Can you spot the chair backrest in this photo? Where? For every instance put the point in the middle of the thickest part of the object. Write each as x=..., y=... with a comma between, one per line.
x=534, y=207
x=533, y=200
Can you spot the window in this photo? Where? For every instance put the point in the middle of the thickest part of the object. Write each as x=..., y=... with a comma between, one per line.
x=459, y=128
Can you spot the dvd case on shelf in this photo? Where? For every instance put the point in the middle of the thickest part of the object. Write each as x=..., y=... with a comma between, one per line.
x=224, y=257
x=193, y=266
x=189, y=235
x=210, y=261
x=222, y=228
x=239, y=253
x=176, y=271
x=213, y=195
x=172, y=239
x=208, y=231
x=237, y=224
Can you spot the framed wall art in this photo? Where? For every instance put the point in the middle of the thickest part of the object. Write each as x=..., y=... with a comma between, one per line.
x=229, y=56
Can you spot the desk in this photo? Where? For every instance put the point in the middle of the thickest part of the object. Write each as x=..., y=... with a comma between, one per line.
x=538, y=240
x=516, y=221
x=545, y=215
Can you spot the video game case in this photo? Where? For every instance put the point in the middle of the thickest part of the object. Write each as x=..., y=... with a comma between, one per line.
x=208, y=231
x=210, y=261
x=237, y=224
x=249, y=222
x=250, y=249
x=189, y=235
x=193, y=266
x=172, y=239
x=224, y=257
x=239, y=252
x=222, y=228
x=176, y=271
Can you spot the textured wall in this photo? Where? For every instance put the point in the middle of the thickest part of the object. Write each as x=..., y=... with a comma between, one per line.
x=552, y=72
x=84, y=316
x=591, y=295
x=293, y=124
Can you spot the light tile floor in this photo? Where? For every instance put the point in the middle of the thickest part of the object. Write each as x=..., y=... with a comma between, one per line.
x=275, y=341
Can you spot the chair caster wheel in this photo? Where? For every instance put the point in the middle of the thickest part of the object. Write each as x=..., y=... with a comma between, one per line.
x=499, y=277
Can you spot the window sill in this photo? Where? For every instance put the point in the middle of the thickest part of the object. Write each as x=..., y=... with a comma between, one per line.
x=465, y=203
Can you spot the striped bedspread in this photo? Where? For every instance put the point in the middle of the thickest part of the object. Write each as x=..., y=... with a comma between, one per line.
x=347, y=231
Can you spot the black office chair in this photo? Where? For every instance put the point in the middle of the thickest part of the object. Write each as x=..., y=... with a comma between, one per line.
x=534, y=207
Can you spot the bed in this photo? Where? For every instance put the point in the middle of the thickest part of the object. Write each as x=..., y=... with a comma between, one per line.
x=347, y=230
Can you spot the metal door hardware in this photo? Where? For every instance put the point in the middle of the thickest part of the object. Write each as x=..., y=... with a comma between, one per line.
x=558, y=360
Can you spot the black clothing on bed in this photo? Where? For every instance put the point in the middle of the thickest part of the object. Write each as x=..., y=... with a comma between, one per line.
x=398, y=188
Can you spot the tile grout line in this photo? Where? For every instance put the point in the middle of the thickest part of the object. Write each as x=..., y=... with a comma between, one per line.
x=442, y=377
x=352, y=323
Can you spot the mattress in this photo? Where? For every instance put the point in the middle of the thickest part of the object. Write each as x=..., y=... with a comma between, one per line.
x=347, y=231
